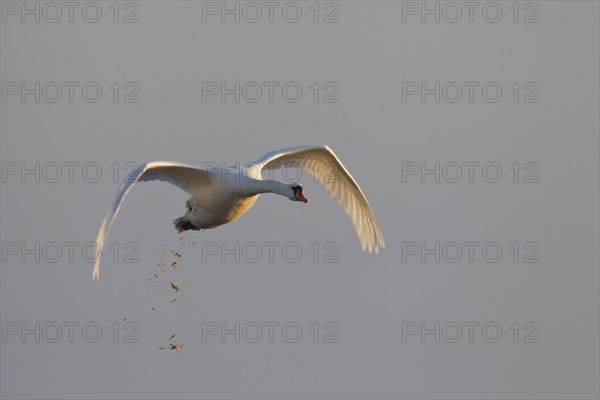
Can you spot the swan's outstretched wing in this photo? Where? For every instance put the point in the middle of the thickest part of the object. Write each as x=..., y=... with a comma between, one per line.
x=323, y=164
x=185, y=177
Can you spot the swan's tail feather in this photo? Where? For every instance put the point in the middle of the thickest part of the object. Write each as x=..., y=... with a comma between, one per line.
x=183, y=224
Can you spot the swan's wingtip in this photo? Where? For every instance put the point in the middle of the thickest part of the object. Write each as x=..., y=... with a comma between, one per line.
x=96, y=274
x=378, y=246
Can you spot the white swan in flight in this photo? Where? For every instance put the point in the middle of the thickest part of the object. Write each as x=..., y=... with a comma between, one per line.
x=222, y=196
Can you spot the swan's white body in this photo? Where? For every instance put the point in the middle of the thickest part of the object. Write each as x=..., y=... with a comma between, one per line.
x=222, y=196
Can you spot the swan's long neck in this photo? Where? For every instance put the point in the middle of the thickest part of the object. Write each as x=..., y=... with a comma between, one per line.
x=254, y=187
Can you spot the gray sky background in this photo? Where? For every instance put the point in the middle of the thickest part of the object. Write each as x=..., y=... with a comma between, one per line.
x=368, y=54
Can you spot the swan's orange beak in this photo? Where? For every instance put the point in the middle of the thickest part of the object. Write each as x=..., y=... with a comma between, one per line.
x=300, y=196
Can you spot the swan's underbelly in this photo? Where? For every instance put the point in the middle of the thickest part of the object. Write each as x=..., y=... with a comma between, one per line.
x=209, y=213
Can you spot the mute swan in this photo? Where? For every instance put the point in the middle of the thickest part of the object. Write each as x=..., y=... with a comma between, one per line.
x=222, y=196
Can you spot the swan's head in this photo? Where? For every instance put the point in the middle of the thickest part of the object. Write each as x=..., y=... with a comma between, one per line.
x=297, y=193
